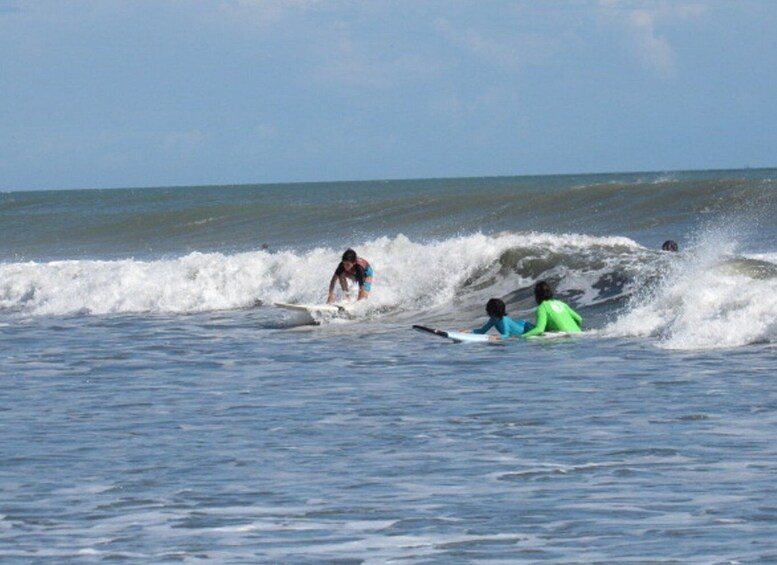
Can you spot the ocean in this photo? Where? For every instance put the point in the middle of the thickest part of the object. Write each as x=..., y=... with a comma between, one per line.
x=157, y=408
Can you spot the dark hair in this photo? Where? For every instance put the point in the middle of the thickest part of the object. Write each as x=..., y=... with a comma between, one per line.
x=542, y=292
x=669, y=245
x=495, y=308
x=349, y=255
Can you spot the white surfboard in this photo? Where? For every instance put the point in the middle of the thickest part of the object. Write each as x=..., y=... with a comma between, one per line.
x=554, y=335
x=314, y=308
x=458, y=337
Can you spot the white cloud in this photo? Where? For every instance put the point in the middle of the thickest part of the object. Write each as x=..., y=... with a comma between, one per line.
x=654, y=50
x=263, y=13
x=345, y=61
x=265, y=132
x=510, y=53
x=182, y=140
x=641, y=19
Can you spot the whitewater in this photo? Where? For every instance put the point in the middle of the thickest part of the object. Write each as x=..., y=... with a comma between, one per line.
x=156, y=407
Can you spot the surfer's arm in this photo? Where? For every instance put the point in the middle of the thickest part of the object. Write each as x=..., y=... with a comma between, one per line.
x=332, y=283
x=487, y=326
x=539, y=326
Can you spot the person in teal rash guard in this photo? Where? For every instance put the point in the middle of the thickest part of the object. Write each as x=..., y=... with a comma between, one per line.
x=553, y=315
x=497, y=318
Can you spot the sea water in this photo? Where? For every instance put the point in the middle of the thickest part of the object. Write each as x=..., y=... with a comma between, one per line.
x=155, y=407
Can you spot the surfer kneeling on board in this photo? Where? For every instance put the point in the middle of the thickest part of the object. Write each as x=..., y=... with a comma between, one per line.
x=354, y=268
x=553, y=315
x=504, y=324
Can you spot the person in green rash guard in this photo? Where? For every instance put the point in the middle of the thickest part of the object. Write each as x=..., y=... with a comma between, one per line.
x=553, y=315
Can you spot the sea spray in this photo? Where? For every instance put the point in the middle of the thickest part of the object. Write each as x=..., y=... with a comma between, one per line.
x=708, y=297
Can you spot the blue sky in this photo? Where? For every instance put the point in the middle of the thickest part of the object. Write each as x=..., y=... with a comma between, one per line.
x=126, y=93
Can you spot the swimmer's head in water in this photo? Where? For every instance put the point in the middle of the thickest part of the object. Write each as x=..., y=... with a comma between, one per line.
x=669, y=245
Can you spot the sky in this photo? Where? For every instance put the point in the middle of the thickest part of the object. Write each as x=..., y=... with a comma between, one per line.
x=136, y=93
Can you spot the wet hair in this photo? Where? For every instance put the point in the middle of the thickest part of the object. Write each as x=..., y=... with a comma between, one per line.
x=496, y=308
x=669, y=245
x=542, y=292
x=349, y=255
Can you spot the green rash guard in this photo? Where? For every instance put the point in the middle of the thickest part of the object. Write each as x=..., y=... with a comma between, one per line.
x=555, y=316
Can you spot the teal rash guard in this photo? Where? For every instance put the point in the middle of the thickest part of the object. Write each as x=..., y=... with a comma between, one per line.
x=506, y=327
x=555, y=316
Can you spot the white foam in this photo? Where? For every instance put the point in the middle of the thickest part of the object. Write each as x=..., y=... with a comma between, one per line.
x=408, y=275
x=704, y=303
x=767, y=257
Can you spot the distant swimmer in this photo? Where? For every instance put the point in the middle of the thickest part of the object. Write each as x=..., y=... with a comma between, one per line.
x=553, y=315
x=670, y=245
x=355, y=268
x=498, y=318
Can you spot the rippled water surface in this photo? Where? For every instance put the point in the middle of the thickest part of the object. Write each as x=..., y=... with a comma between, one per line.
x=155, y=408
x=206, y=438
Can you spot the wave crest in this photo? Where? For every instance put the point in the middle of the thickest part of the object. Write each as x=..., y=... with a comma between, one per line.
x=410, y=275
